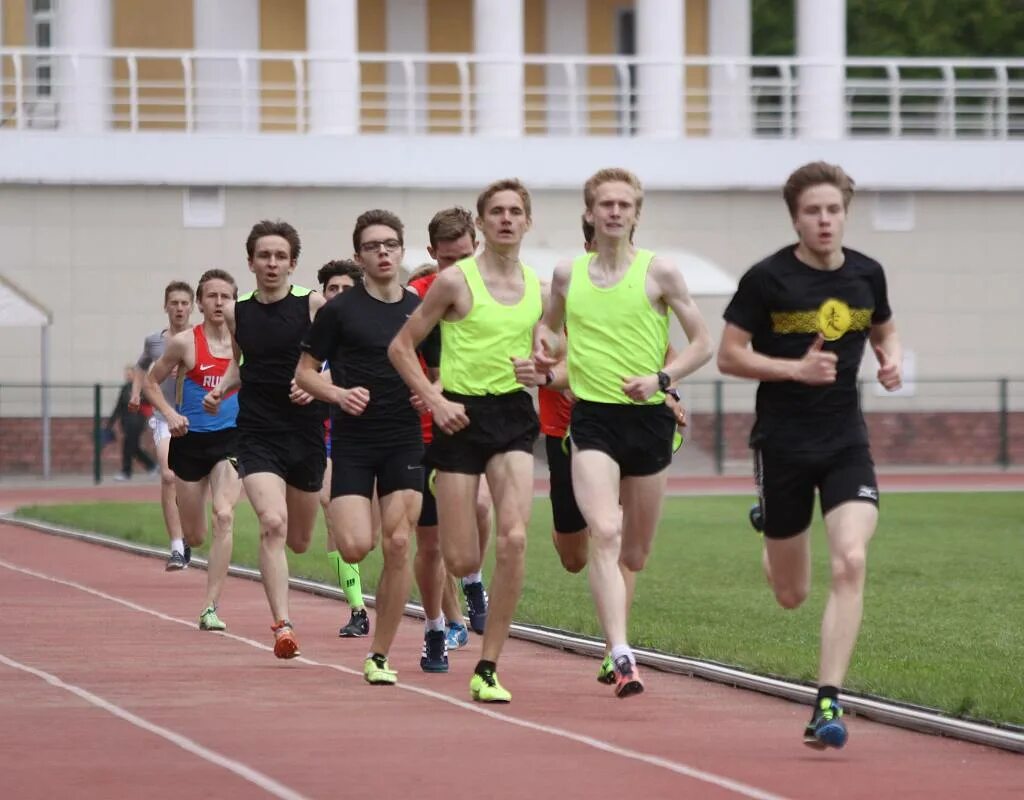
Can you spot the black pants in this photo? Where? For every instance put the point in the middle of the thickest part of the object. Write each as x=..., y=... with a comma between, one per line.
x=132, y=426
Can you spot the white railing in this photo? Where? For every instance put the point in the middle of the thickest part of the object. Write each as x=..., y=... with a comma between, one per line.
x=264, y=92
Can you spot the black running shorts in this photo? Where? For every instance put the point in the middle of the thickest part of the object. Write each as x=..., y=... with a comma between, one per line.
x=355, y=468
x=786, y=483
x=193, y=456
x=428, y=511
x=299, y=457
x=638, y=438
x=565, y=513
x=497, y=424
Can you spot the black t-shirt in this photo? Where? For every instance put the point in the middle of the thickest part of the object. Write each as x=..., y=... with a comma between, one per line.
x=352, y=332
x=268, y=334
x=784, y=303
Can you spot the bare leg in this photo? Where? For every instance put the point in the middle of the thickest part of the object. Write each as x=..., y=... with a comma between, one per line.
x=428, y=567
x=225, y=487
x=266, y=492
x=850, y=527
x=168, y=495
x=399, y=511
x=301, y=517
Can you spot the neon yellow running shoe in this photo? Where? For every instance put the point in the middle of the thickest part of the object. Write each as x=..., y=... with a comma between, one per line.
x=486, y=689
x=606, y=674
x=378, y=672
x=209, y=621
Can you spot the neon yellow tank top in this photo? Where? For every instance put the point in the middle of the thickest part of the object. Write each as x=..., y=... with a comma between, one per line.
x=612, y=333
x=475, y=350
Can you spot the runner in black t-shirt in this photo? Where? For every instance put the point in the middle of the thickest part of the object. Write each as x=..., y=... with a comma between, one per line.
x=280, y=447
x=376, y=436
x=798, y=324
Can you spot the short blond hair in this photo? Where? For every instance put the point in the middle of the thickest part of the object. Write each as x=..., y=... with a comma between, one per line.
x=610, y=175
x=815, y=174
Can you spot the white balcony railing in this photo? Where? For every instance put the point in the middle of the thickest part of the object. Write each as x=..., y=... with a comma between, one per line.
x=264, y=92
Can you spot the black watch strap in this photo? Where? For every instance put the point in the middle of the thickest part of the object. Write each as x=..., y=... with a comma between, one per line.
x=664, y=381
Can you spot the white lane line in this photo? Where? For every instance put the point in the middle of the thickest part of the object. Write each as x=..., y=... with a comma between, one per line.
x=264, y=782
x=711, y=778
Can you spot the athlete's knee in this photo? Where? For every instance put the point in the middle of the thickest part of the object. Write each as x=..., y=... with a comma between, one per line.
x=849, y=566
x=167, y=478
x=223, y=519
x=791, y=596
x=605, y=532
x=459, y=565
x=273, y=524
x=396, y=546
x=572, y=560
x=194, y=537
x=511, y=544
x=634, y=558
x=428, y=545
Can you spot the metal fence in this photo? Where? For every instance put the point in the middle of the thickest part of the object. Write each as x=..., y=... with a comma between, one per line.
x=413, y=93
x=942, y=423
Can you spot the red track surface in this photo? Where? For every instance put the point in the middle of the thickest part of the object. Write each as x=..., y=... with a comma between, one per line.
x=313, y=727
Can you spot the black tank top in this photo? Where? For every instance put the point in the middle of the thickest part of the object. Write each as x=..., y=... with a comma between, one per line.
x=269, y=335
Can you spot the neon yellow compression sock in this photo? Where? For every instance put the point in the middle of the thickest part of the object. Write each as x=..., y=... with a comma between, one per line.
x=348, y=579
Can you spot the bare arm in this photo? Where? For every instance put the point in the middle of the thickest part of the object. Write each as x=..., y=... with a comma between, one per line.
x=735, y=357
x=138, y=377
x=548, y=342
x=449, y=416
x=889, y=352
x=316, y=383
x=232, y=378
x=175, y=355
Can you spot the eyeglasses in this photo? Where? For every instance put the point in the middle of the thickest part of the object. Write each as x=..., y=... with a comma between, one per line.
x=391, y=245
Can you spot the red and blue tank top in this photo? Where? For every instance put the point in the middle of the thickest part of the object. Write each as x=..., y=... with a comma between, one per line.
x=204, y=376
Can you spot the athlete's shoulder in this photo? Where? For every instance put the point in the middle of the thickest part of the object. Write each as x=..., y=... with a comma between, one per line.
x=420, y=286
x=299, y=291
x=861, y=261
x=247, y=297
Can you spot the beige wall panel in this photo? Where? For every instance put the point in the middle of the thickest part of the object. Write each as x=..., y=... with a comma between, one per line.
x=603, y=81
x=15, y=25
x=449, y=30
x=152, y=24
x=282, y=27
x=373, y=38
x=534, y=43
x=697, y=115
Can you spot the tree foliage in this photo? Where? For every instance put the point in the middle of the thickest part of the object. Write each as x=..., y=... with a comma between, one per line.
x=933, y=28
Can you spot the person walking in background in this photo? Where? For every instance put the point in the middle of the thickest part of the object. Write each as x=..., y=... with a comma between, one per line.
x=133, y=423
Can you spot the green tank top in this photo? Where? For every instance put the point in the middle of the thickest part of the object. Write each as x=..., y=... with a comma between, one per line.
x=612, y=333
x=475, y=350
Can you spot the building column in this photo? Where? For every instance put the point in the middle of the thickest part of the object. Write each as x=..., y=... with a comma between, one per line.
x=227, y=92
x=730, y=37
x=406, y=22
x=660, y=36
x=565, y=26
x=332, y=42
x=821, y=37
x=498, y=40
x=85, y=81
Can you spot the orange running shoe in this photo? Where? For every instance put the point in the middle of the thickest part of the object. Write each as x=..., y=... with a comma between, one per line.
x=627, y=678
x=285, y=643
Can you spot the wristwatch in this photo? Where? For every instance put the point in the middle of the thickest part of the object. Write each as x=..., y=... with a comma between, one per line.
x=673, y=393
x=664, y=381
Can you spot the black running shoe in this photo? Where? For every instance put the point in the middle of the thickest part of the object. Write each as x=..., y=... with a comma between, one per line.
x=188, y=554
x=476, y=605
x=357, y=626
x=435, y=652
x=757, y=517
x=176, y=562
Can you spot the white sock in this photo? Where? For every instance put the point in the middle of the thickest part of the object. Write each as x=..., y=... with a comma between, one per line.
x=474, y=577
x=623, y=650
x=435, y=624
x=178, y=546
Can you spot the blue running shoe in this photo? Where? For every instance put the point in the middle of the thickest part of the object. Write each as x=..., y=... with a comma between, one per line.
x=435, y=652
x=826, y=728
x=476, y=605
x=458, y=636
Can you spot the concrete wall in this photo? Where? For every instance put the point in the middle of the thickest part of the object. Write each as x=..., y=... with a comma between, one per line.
x=99, y=257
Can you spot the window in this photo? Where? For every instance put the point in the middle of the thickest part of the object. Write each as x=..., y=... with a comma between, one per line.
x=625, y=45
x=40, y=20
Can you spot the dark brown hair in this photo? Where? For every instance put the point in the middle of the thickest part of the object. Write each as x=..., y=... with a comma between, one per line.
x=342, y=266
x=815, y=174
x=377, y=216
x=277, y=227
x=178, y=286
x=451, y=224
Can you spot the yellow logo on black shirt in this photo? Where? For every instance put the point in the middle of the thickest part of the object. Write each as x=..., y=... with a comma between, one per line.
x=833, y=319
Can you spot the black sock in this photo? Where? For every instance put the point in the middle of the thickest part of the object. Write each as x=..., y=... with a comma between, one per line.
x=483, y=667
x=829, y=692
x=378, y=659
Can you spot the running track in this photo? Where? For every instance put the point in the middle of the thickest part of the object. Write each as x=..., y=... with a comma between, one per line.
x=111, y=691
